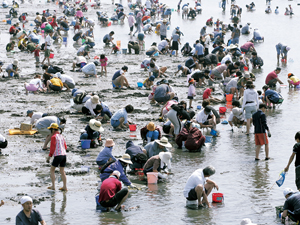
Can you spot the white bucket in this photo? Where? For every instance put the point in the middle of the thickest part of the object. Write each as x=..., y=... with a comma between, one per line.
x=152, y=177
x=192, y=204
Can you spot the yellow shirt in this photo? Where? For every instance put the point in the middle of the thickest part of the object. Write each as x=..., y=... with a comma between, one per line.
x=295, y=79
x=56, y=82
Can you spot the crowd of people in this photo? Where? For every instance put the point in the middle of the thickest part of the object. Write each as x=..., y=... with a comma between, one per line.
x=211, y=62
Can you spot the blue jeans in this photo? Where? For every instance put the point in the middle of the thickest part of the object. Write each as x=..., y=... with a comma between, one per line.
x=235, y=40
x=115, y=123
x=84, y=136
x=153, y=135
x=224, y=4
x=150, y=53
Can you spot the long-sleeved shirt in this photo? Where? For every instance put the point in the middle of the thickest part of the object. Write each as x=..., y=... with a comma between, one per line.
x=35, y=116
x=88, y=104
x=153, y=149
x=260, y=122
x=154, y=162
x=58, y=145
x=121, y=113
x=46, y=121
x=111, y=168
x=89, y=69
x=105, y=155
x=109, y=188
x=131, y=21
x=250, y=98
x=106, y=111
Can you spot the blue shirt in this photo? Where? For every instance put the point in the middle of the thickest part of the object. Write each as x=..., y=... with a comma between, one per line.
x=199, y=49
x=119, y=114
x=107, y=37
x=111, y=168
x=104, y=155
x=117, y=74
x=153, y=149
x=106, y=111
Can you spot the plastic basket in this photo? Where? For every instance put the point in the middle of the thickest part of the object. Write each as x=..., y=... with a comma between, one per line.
x=132, y=127
x=217, y=197
x=85, y=144
x=152, y=177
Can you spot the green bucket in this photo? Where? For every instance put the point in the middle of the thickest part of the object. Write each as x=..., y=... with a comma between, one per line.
x=279, y=209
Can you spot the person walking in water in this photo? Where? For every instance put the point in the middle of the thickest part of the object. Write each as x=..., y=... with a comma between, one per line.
x=58, y=149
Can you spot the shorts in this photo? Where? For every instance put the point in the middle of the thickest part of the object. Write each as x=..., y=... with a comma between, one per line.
x=141, y=36
x=59, y=160
x=175, y=45
x=37, y=59
x=44, y=131
x=244, y=50
x=162, y=99
x=54, y=88
x=47, y=53
x=117, y=81
x=3, y=144
x=70, y=85
x=193, y=195
x=249, y=111
x=190, y=97
x=31, y=87
x=297, y=180
x=78, y=64
x=131, y=28
x=216, y=74
x=114, y=123
x=261, y=139
x=150, y=53
x=116, y=199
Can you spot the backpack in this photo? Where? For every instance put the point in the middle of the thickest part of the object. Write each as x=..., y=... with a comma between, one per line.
x=58, y=69
x=78, y=98
x=140, y=158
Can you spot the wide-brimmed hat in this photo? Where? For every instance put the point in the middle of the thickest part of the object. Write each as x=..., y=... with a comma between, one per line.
x=164, y=142
x=109, y=143
x=165, y=158
x=151, y=126
x=231, y=46
x=95, y=99
x=96, y=125
x=126, y=159
x=247, y=221
x=15, y=62
x=247, y=74
x=53, y=126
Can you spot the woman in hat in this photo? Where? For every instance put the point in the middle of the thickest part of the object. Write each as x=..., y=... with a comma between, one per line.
x=90, y=106
x=12, y=69
x=106, y=154
x=157, y=146
x=58, y=149
x=158, y=163
x=119, y=165
x=92, y=132
x=150, y=133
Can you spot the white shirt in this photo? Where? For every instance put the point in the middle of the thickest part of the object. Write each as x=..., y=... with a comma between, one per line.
x=162, y=45
x=88, y=104
x=226, y=57
x=81, y=49
x=35, y=116
x=207, y=41
x=48, y=41
x=146, y=27
x=250, y=95
x=148, y=4
x=81, y=59
x=202, y=117
x=36, y=81
x=241, y=117
x=2, y=139
x=232, y=83
x=67, y=78
x=194, y=180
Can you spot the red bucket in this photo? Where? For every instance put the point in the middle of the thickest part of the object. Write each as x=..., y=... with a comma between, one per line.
x=218, y=64
x=132, y=127
x=51, y=56
x=222, y=110
x=229, y=97
x=246, y=68
x=217, y=197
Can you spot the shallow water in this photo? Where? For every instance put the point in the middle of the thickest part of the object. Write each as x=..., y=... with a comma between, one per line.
x=245, y=184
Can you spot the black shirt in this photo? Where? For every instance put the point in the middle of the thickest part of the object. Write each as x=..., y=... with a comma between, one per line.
x=231, y=68
x=199, y=75
x=296, y=150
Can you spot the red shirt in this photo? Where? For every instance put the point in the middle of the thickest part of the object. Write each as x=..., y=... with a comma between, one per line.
x=11, y=29
x=109, y=188
x=37, y=52
x=271, y=76
x=145, y=18
x=206, y=93
x=53, y=23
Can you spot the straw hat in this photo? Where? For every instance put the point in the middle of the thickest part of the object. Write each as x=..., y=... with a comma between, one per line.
x=231, y=46
x=126, y=159
x=53, y=126
x=164, y=142
x=247, y=221
x=96, y=125
x=109, y=143
x=95, y=99
x=165, y=21
x=151, y=126
x=15, y=62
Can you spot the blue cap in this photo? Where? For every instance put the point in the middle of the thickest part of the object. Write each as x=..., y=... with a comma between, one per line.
x=131, y=14
x=29, y=111
x=151, y=78
x=74, y=90
x=179, y=67
x=177, y=28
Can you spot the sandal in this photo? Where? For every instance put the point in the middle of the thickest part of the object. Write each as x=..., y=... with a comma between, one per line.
x=50, y=188
x=256, y=159
x=62, y=189
x=267, y=158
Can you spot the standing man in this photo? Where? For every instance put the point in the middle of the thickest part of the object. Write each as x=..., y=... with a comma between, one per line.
x=111, y=192
x=272, y=78
x=163, y=30
x=260, y=127
x=48, y=47
x=58, y=149
x=28, y=215
x=198, y=186
x=235, y=35
x=199, y=50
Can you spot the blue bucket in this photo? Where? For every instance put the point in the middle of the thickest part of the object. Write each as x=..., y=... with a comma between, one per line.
x=65, y=39
x=208, y=139
x=198, y=106
x=173, y=52
x=8, y=21
x=213, y=132
x=11, y=74
x=139, y=84
x=114, y=85
x=156, y=54
x=85, y=144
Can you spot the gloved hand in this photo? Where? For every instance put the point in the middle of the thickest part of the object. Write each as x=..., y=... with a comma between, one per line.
x=132, y=186
x=269, y=134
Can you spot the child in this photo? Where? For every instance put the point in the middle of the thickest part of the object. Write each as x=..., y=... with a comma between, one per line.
x=296, y=148
x=185, y=70
x=207, y=95
x=103, y=61
x=149, y=82
x=293, y=80
x=37, y=56
x=192, y=91
x=115, y=49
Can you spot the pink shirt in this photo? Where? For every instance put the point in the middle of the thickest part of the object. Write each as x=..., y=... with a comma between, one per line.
x=247, y=45
x=192, y=90
x=131, y=21
x=79, y=14
x=58, y=145
x=221, y=68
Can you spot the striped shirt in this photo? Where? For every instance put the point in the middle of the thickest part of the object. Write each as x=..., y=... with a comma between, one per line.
x=58, y=145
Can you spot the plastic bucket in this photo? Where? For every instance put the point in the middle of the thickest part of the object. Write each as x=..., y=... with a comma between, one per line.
x=8, y=21
x=124, y=51
x=156, y=54
x=217, y=197
x=246, y=68
x=139, y=84
x=51, y=56
x=152, y=177
x=229, y=97
x=218, y=64
x=65, y=39
x=119, y=44
x=213, y=132
x=132, y=127
x=222, y=110
x=229, y=105
x=85, y=144
x=208, y=139
x=192, y=204
x=198, y=106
